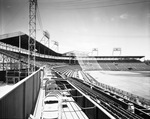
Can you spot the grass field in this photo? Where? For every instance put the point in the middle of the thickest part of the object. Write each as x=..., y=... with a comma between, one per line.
x=136, y=82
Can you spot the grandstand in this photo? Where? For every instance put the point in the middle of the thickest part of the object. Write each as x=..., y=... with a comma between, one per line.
x=37, y=82
x=75, y=70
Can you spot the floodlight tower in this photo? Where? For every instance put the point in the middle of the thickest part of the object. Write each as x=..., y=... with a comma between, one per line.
x=95, y=50
x=46, y=41
x=56, y=44
x=116, y=50
x=32, y=35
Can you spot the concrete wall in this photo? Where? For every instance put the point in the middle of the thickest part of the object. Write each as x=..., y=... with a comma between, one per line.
x=20, y=101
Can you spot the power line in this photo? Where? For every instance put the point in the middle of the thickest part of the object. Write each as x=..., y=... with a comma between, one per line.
x=72, y=5
x=89, y=5
x=92, y=2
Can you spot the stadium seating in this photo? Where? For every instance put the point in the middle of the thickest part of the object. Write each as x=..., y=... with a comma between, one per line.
x=124, y=66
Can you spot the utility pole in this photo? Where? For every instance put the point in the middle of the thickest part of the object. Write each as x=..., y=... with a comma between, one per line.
x=32, y=35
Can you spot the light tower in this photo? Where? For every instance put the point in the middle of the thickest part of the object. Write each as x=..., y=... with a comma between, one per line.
x=32, y=35
x=56, y=44
x=95, y=50
x=46, y=41
x=116, y=50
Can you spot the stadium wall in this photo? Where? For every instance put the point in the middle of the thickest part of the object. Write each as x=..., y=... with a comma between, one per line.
x=19, y=102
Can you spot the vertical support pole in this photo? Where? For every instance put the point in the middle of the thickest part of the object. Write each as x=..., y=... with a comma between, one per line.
x=3, y=63
x=48, y=44
x=19, y=56
x=10, y=63
x=5, y=59
x=32, y=35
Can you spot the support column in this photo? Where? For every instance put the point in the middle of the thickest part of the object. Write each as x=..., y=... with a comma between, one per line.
x=19, y=68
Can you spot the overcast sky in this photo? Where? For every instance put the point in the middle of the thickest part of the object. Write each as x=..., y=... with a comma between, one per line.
x=85, y=24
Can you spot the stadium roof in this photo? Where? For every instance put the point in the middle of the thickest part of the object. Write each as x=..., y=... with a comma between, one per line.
x=85, y=54
x=118, y=56
x=13, y=39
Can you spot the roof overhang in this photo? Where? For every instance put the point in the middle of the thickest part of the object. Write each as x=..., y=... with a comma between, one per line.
x=21, y=38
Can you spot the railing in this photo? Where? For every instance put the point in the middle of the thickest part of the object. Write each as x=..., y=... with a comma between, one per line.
x=89, y=106
x=19, y=101
x=124, y=94
x=24, y=51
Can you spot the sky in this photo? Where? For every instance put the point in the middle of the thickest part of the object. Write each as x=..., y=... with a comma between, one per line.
x=81, y=25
